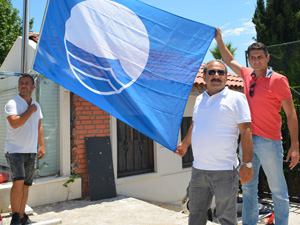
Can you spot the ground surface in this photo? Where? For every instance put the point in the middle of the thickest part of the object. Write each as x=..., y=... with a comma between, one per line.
x=120, y=211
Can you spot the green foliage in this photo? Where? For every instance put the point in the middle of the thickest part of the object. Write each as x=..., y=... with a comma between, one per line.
x=71, y=179
x=10, y=27
x=216, y=51
x=285, y=59
x=277, y=21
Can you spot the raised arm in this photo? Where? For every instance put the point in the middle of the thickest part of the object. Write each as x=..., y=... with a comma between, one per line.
x=226, y=54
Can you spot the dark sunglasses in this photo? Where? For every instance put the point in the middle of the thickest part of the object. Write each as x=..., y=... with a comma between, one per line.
x=213, y=72
x=251, y=91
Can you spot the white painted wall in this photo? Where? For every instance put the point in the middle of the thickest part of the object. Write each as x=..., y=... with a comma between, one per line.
x=12, y=62
x=169, y=181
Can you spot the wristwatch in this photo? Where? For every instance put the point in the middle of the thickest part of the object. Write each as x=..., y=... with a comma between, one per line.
x=247, y=164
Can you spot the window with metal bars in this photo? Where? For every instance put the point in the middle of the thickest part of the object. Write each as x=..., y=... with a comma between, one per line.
x=135, y=151
x=187, y=160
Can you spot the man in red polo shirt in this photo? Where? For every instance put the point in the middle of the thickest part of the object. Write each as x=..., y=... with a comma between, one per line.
x=266, y=92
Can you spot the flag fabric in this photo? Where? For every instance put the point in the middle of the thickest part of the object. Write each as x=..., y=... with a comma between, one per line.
x=134, y=61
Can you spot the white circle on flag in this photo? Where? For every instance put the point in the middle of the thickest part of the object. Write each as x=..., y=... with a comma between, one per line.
x=107, y=30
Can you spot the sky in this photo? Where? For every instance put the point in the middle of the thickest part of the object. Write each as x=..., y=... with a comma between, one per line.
x=233, y=17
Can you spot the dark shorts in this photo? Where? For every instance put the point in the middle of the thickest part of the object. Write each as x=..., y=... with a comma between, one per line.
x=22, y=166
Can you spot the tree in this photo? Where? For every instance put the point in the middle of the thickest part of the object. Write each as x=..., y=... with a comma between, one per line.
x=277, y=24
x=217, y=54
x=277, y=21
x=10, y=27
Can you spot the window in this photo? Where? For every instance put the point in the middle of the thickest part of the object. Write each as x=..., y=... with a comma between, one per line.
x=5, y=96
x=47, y=94
x=187, y=160
x=135, y=151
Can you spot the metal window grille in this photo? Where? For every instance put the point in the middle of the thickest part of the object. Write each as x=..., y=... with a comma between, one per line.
x=135, y=151
x=187, y=160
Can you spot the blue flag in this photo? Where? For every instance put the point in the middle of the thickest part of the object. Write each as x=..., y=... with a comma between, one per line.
x=132, y=60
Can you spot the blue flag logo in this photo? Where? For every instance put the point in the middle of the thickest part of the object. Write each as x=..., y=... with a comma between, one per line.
x=118, y=48
x=132, y=60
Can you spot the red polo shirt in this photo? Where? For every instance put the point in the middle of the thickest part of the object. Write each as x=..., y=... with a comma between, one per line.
x=265, y=104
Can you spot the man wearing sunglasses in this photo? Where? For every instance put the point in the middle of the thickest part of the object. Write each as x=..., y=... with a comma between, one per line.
x=266, y=92
x=219, y=115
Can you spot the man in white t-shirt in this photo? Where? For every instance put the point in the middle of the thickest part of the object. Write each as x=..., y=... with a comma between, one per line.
x=219, y=116
x=24, y=132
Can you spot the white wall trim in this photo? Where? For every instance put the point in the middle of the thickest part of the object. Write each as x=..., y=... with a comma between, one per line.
x=65, y=135
x=113, y=141
x=43, y=191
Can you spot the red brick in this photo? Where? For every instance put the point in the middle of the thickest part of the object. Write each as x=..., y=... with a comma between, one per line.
x=86, y=122
x=79, y=108
x=78, y=141
x=80, y=131
x=84, y=176
x=82, y=161
x=76, y=122
x=85, y=103
x=89, y=127
x=98, y=112
x=81, y=151
x=94, y=108
x=83, y=117
x=82, y=166
x=95, y=131
x=81, y=171
x=81, y=137
x=81, y=146
x=90, y=135
x=100, y=126
x=100, y=117
x=97, y=121
x=79, y=127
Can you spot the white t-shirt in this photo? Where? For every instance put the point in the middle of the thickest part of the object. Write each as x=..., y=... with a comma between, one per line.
x=23, y=139
x=215, y=131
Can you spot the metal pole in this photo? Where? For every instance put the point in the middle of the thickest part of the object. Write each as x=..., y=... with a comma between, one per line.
x=25, y=34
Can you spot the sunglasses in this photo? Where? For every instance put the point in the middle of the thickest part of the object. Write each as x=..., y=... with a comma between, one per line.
x=251, y=91
x=213, y=72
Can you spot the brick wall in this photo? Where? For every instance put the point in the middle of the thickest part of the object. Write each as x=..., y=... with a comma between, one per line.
x=87, y=120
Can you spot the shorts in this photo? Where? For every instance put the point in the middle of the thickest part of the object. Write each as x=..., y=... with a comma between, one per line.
x=22, y=166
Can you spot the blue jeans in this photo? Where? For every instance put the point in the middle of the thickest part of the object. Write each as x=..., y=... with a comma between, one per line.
x=22, y=166
x=267, y=153
x=223, y=185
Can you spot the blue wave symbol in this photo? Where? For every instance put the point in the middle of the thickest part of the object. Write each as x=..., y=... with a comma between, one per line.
x=101, y=75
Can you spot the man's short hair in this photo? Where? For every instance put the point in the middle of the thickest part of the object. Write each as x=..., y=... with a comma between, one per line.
x=257, y=46
x=214, y=60
x=26, y=75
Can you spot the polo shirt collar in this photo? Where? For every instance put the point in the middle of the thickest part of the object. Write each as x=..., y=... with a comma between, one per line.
x=269, y=72
x=223, y=92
